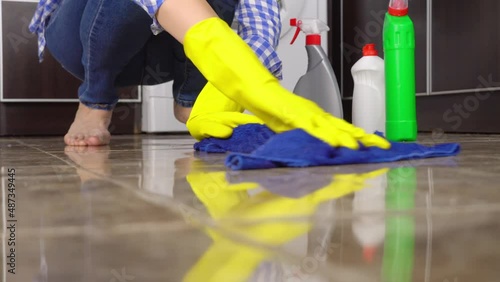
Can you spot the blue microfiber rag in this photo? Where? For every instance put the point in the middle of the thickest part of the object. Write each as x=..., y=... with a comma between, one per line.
x=296, y=148
x=245, y=139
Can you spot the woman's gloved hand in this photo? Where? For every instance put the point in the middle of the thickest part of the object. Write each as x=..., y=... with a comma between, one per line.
x=215, y=115
x=234, y=69
x=242, y=77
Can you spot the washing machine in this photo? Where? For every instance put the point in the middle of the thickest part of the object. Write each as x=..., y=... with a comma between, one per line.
x=157, y=101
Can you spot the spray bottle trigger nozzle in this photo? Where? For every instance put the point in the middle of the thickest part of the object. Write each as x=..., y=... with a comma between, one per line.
x=294, y=22
x=297, y=32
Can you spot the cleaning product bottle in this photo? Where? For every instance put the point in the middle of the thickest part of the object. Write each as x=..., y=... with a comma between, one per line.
x=399, y=54
x=368, y=100
x=319, y=84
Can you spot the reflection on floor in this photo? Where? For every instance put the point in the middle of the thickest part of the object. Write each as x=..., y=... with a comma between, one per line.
x=147, y=208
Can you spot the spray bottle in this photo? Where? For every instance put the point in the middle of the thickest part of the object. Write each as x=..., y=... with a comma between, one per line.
x=319, y=84
x=368, y=100
x=399, y=51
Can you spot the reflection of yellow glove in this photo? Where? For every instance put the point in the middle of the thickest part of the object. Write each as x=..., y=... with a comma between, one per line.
x=232, y=67
x=266, y=205
x=221, y=262
x=227, y=260
x=213, y=191
x=259, y=219
x=215, y=115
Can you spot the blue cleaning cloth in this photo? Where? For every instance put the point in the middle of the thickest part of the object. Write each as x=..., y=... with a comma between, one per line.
x=296, y=148
x=245, y=139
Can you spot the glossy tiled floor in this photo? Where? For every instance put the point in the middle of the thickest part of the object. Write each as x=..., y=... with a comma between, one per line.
x=148, y=209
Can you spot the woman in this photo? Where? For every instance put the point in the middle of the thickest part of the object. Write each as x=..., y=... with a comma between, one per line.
x=109, y=43
x=237, y=80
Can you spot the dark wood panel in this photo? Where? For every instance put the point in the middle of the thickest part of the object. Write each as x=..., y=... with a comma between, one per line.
x=18, y=119
x=465, y=43
x=363, y=23
x=24, y=77
x=466, y=113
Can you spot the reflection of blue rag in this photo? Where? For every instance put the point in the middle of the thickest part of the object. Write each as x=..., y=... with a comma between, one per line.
x=305, y=181
x=296, y=148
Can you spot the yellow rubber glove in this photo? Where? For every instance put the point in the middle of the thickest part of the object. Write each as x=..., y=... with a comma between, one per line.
x=215, y=115
x=232, y=67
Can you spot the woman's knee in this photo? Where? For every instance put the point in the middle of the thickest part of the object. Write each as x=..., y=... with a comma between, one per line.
x=62, y=36
x=71, y=61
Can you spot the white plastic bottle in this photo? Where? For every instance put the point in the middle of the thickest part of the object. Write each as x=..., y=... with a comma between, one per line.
x=368, y=102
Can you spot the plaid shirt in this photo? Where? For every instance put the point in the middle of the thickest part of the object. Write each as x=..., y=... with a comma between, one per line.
x=259, y=25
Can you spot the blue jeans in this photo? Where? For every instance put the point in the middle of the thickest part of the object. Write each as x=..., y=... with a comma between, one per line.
x=109, y=44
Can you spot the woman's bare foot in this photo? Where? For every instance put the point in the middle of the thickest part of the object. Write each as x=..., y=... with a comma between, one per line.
x=90, y=128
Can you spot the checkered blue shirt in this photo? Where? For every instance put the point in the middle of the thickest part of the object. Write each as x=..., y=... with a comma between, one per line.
x=259, y=25
x=39, y=21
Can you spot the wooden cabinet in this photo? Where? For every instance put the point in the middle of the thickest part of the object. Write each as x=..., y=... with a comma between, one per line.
x=457, y=58
x=23, y=76
x=41, y=98
x=465, y=44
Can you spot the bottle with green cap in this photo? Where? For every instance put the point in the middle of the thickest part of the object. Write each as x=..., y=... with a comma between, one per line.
x=399, y=57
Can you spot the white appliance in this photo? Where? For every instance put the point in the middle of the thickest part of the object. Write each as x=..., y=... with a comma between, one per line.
x=157, y=101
